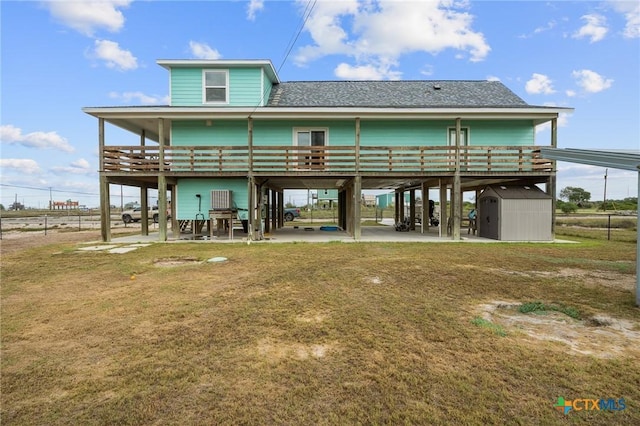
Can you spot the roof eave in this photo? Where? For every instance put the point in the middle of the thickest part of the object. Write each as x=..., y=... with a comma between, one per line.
x=327, y=112
x=208, y=63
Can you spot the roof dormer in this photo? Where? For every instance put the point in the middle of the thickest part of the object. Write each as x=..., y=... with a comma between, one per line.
x=220, y=82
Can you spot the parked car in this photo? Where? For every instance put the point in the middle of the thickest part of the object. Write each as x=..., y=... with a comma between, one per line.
x=291, y=213
x=135, y=215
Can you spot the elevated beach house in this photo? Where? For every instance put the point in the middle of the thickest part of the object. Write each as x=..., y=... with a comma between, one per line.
x=234, y=137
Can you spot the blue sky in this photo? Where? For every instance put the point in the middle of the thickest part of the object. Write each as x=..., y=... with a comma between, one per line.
x=60, y=56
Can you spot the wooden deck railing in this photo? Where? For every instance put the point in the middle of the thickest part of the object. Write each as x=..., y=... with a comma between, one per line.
x=290, y=159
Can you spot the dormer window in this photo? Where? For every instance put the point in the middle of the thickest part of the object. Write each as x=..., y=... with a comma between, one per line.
x=215, y=86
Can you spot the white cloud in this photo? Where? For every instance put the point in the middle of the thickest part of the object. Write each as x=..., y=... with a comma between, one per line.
x=81, y=163
x=563, y=120
x=23, y=165
x=383, y=30
x=203, y=51
x=140, y=98
x=550, y=25
x=40, y=140
x=427, y=70
x=539, y=84
x=493, y=78
x=253, y=7
x=571, y=93
x=365, y=72
x=78, y=167
x=595, y=28
x=591, y=82
x=631, y=11
x=87, y=16
x=114, y=56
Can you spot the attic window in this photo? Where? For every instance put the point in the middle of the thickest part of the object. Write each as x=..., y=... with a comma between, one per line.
x=215, y=86
x=436, y=87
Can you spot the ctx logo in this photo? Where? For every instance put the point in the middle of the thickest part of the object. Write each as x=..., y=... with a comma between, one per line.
x=583, y=404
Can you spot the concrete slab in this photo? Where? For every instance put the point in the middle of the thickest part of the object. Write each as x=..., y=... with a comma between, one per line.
x=97, y=248
x=312, y=234
x=122, y=250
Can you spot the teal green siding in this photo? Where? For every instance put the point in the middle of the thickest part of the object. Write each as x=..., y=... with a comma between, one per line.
x=186, y=86
x=267, y=85
x=342, y=133
x=281, y=132
x=219, y=133
x=327, y=194
x=245, y=87
x=435, y=133
x=403, y=133
x=506, y=133
x=187, y=206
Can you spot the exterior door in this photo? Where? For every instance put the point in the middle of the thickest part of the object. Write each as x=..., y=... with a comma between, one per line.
x=464, y=141
x=489, y=218
x=311, y=158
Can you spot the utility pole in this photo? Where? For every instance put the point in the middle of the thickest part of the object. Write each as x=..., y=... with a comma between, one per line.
x=50, y=199
x=604, y=201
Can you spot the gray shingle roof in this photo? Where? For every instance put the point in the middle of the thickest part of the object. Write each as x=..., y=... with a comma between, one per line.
x=394, y=94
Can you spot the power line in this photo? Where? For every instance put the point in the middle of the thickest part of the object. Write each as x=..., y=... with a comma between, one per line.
x=48, y=189
x=306, y=15
x=292, y=42
x=56, y=190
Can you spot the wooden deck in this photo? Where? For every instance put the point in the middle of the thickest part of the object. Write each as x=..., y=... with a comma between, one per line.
x=285, y=160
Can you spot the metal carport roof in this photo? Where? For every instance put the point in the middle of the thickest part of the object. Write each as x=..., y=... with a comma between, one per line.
x=615, y=159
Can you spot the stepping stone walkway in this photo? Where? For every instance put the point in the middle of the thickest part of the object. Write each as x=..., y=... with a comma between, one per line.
x=113, y=248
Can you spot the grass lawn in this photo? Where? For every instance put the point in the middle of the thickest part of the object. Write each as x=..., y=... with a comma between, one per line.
x=336, y=333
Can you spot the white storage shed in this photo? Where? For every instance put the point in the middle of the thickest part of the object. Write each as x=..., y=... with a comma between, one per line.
x=515, y=213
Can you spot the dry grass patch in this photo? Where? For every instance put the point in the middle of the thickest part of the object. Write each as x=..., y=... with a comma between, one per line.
x=308, y=334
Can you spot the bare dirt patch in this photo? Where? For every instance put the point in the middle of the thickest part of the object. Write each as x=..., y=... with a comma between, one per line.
x=275, y=350
x=601, y=336
x=594, y=278
x=176, y=261
x=312, y=317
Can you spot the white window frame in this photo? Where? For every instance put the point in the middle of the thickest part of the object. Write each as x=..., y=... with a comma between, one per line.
x=205, y=87
x=297, y=130
x=451, y=136
x=302, y=162
x=452, y=140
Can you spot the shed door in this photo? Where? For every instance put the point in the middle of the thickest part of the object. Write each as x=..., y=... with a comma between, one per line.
x=489, y=217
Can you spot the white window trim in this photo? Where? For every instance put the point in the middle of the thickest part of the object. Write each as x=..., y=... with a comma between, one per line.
x=452, y=141
x=296, y=130
x=204, y=87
